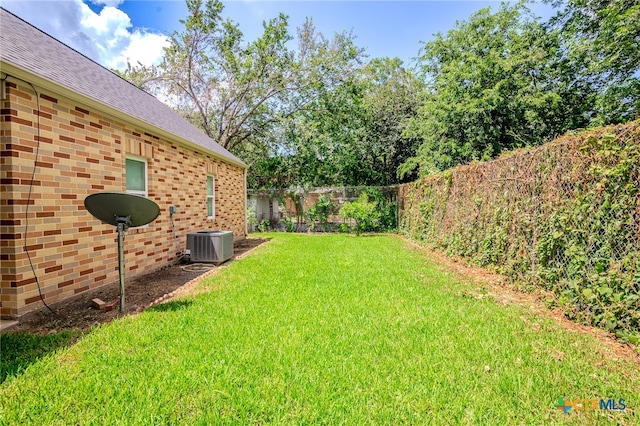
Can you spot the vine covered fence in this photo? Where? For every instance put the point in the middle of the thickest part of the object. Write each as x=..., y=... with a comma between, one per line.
x=564, y=216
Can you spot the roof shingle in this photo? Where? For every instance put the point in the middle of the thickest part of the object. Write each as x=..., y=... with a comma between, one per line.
x=25, y=46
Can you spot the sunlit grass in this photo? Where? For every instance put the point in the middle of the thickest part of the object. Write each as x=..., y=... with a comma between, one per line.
x=329, y=329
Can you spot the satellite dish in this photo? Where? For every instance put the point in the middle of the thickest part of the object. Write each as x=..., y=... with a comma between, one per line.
x=108, y=206
x=123, y=211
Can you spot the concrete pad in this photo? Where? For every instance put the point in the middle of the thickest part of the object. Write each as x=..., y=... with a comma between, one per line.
x=7, y=324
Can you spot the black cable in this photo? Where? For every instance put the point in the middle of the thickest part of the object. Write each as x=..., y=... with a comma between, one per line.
x=33, y=175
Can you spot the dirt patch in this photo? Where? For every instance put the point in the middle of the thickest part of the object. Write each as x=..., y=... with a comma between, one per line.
x=498, y=288
x=141, y=292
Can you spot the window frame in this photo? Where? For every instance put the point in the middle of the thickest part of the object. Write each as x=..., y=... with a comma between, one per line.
x=144, y=161
x=211, y=196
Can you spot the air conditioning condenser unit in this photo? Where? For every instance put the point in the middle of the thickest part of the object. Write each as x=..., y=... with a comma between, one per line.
x=210, y=246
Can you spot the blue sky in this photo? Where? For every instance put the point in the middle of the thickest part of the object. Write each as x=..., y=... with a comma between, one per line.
x=114, y=31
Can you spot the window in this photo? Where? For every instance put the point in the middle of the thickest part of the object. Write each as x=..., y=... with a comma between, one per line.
x=136, y=172
x=211, y=201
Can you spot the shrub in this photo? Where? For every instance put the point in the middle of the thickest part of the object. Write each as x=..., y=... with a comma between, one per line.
x=363, y=212
x=344, y=228
x=252, y=219
x=388, y=210
x=318, y=214
x=263, y=226
x=289, y=226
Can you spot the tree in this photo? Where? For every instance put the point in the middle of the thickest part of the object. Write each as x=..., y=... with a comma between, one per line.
x=321, y=142
x=237, y=92
x=493, y=84
x=601, y=39
x=354, y=135
x=391, y=100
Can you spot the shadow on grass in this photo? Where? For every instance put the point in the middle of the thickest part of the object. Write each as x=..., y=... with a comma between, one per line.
x=19, y=350
x=176, y=305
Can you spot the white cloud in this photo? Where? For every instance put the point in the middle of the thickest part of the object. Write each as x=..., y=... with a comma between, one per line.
x=108, y=2
x=144, y=47
x=107, y=37
x=110, y=21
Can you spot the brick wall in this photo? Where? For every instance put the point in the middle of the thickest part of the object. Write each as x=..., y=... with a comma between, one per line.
x=81, y=152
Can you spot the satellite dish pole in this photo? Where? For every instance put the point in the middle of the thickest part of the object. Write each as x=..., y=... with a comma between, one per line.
x=122, y=211
x=123, y=225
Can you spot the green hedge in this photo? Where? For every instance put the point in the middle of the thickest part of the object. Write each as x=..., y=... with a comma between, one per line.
x=564, y=216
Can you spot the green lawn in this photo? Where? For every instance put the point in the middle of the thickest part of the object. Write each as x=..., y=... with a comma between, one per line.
x=329, y=329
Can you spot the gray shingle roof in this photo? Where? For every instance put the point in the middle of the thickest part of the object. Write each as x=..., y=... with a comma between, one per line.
x=24, y=46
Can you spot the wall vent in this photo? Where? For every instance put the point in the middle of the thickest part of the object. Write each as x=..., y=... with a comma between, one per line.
x=210, y=246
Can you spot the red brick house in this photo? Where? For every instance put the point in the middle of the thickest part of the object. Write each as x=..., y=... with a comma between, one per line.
x=70, y=128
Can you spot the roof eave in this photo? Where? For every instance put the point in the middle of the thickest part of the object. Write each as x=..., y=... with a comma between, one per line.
x=49, y=85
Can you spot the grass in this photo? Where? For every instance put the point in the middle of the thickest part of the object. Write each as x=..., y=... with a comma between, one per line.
x=329, y=329
x=19, y=350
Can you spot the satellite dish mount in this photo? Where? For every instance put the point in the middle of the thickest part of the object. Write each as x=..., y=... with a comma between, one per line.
x=122, y=211
x=122, y=226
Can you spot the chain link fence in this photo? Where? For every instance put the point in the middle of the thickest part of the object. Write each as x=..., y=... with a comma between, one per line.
x=564, y=216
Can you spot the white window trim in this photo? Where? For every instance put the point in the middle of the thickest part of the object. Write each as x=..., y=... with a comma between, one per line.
x=144, y=193
x=212, y=197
